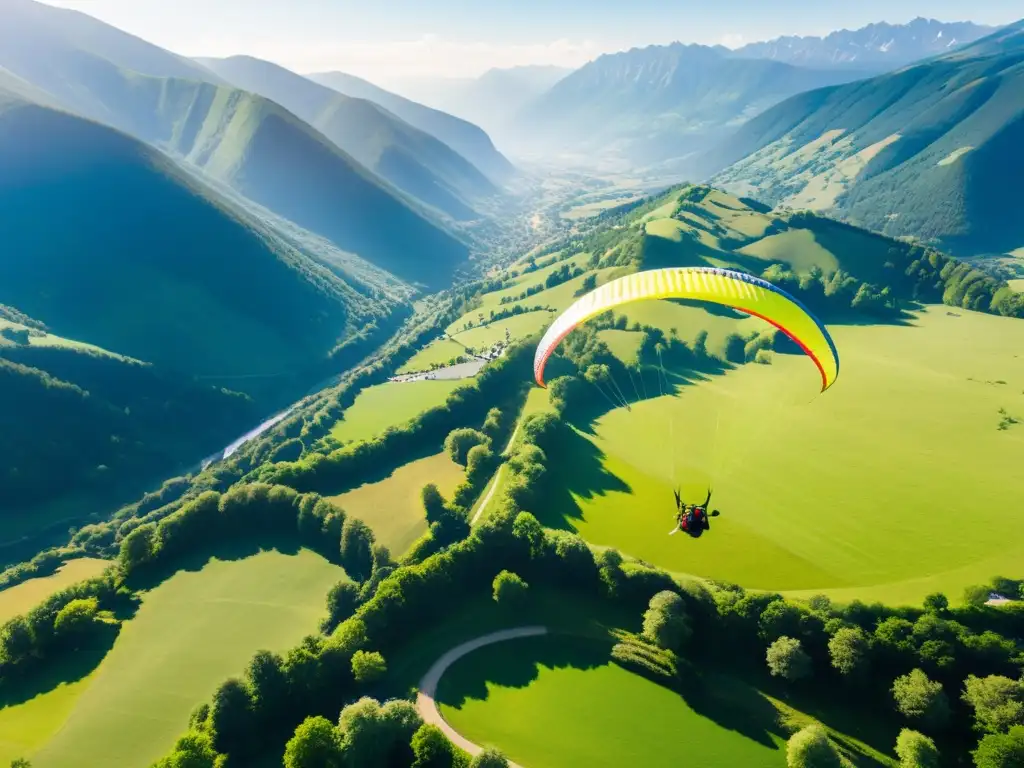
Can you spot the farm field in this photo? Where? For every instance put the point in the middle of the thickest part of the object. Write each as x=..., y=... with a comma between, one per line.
x=392, y=506
x=21, y=598
x=435, y=353
x=826, y=494
x=386, y=405
x=518, y=326
x=510, y=694
x=190, y=633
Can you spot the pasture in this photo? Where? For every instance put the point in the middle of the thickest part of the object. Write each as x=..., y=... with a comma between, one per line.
x=190, y=633
x=390, y=405
x=897, y=482
x=392, y=507
x=555, y=700
x=438, y=352
x=21, y=598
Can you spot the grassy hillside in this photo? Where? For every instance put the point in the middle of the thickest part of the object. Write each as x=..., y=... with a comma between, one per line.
x=252, y=145
x=414, y=161
x=190, y=633
x=662, y=102
x=462, y=136
x=927, y=152
x=827, y=507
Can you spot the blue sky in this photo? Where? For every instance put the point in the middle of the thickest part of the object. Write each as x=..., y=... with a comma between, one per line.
x=397, y=39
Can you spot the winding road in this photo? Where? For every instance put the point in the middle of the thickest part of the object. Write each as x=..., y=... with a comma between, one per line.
x=425, y=702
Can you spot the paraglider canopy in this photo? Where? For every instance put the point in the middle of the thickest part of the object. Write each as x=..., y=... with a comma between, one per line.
x=727, y=287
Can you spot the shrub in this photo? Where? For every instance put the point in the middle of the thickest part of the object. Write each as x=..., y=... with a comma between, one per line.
x=787, y=659
x=489, y=758
x=368, y=666
x=509, y=589
x=810, y=747
x=915, y=750
x=460, y=441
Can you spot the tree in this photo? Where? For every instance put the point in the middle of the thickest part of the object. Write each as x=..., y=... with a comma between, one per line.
x=342, y=601
x=357, y=548
x=231, y=716
x=268, y=686
x=849, y=649
x=810, y=747
x=378, y=735
x=780, y=619
x=433, y=503
x=316, y=744
x=489, y=757
x=75, y=619
x=786, y=659
x=915, y=750
x=368, y=666
x=20, y=762
x=666, y=623
x=998, y=701
x=17, y=642
x=460, y=441
x=193, y=750
x=137, y=548
x=936, y=603
x=479, y=463
x=976, y=595
x=1001, y=750
x=432, y=748
x=493, y=423
x=919, y=698
x=509, y=589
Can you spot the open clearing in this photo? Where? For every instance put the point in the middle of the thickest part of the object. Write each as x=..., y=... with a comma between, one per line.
x=392, y=507
x=21, y=598
x=190, y=634
x=389, y=405
x=436, y=353
x=857, y=493
x=518, y=327
x=552, y=701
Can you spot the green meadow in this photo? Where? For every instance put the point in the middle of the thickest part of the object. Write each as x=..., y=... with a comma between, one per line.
x=895, y=483
x=21, y=598
x=435, y=353
x=389, y=405
x=190, y=633
x=392, y=507
x=518, y=326
x=555, y=700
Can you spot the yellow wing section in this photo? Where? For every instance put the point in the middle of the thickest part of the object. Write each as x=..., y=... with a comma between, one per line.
x=719, y=286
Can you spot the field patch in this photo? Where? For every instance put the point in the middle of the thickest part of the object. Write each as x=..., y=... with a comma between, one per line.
x=437, y=352
x=554, y=701
x=390, y=405
x=821, y=191
x=955, y=155
x=796, y=247
x=863, y=487
x=21, y=598
x=190, y=634
x=518, y=326
x=392, y=506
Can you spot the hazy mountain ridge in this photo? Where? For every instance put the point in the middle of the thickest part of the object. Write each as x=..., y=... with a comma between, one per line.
x=929, y=151
x=413, y=160
x=464, y=137
x=875, y=46
x=660, y=102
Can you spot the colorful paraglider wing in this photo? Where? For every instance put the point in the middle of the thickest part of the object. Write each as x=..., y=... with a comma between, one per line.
x=719, y=286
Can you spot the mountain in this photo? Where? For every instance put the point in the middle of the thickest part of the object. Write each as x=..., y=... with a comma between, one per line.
x=244, y=141
x=931, y=151
x=133, y=298
x=414, y=161
x=878, y=47
x=45, y=38
x=490, y=100
x=462, y=136
x=652, y=104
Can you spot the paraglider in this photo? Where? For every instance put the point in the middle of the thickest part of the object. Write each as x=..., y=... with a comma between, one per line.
x=736, y=290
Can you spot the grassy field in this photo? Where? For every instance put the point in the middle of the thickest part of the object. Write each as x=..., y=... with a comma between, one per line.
x=191, y=632
x=513, y=694
x=386, y=405
x=586, y=210
x=859, y=493
x=392, y=507
x=796, y=246
x=518, y=326
x=435, y=353
x=23, y=597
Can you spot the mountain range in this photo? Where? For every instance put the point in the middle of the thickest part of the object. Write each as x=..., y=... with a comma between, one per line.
x=930, y=151
x=875, y=47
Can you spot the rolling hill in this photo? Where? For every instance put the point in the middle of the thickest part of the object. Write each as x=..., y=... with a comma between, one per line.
x=462, y=136
x=242, y=140
x=414, y=161
x=930, y=151
x=653, y=104
x=877, y=47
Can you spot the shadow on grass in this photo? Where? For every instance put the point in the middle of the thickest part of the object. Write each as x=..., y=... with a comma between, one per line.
x=68, y=667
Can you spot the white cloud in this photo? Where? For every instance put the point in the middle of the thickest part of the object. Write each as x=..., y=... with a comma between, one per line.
x=428, y=56
x=731, y=40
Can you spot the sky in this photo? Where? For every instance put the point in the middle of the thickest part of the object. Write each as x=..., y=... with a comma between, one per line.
x=393, y=40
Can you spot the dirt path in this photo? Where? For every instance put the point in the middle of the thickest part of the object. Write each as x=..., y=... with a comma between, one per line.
x=428, y=685
x=497, y=477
